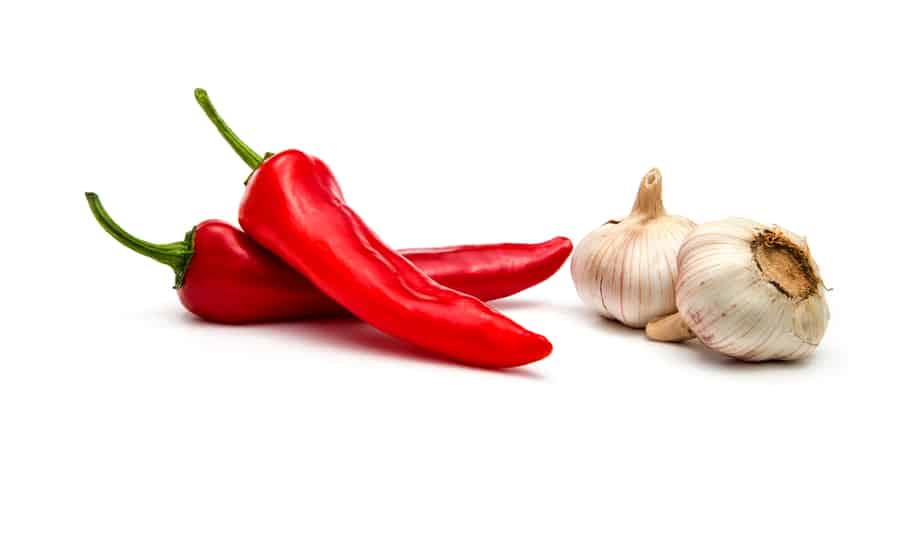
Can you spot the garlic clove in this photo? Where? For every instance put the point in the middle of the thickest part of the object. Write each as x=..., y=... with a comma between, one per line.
x=810, y=319
x=671, y=328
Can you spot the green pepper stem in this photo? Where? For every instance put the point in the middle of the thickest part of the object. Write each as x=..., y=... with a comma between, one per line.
x=176, y=255
x=249, y=156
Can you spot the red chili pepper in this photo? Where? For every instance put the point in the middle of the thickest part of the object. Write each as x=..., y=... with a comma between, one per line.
x=222, y=275
x=294, y=207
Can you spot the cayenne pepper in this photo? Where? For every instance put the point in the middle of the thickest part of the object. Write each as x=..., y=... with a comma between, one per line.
x=294, y=207
x=222, y=275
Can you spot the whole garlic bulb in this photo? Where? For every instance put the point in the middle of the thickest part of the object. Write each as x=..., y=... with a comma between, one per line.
x=747, y=290
x=626, y=269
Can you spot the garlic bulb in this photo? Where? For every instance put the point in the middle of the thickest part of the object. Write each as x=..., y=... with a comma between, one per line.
x=626, y=269
x=747, y=290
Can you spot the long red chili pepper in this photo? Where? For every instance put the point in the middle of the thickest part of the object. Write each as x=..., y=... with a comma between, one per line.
x=222, y=275
x=294, y=207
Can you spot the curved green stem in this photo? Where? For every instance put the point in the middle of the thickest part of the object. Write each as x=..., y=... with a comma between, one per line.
x=249, y=156
x=176, y=255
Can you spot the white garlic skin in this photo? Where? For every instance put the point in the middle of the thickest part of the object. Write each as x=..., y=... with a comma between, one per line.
x=627, y=270
x=733, y=307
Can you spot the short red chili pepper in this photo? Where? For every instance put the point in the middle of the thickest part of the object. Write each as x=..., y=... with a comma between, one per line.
x=294, y=207
x=222, y=275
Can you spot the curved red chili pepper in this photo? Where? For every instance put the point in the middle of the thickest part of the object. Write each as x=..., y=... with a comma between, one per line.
x=294, y=207
x=222, y=275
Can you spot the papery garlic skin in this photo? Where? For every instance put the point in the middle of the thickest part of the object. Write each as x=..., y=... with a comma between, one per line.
x=626, y=270
x=751, y=291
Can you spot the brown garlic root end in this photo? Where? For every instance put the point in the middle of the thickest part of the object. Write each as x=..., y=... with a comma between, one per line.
x=671, y=329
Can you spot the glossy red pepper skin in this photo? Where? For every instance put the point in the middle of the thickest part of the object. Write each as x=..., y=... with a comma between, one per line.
x=294, y=207
x=232, y=279
x=222, y=275
x=490, y=272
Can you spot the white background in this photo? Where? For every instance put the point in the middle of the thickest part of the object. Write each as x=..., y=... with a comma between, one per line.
x=123, y=418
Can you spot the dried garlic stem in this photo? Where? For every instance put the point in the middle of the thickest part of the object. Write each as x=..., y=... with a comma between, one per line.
x=648, y=204
x=671, y=328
